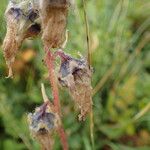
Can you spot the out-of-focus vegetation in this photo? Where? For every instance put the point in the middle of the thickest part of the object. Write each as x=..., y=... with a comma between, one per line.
x=120, y=35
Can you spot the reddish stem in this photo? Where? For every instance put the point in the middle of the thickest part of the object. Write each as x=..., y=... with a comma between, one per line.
x=63, y=138
x=52, y=77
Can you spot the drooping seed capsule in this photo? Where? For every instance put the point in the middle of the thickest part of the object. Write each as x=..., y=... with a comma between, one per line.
x=21, y=19
x=76, y=76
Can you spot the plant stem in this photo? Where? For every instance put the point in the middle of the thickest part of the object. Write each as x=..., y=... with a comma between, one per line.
x=87, y=33
x=142, y=112
x=52, y=77
x=92, y=129
x=63, y=138
x=90, y=63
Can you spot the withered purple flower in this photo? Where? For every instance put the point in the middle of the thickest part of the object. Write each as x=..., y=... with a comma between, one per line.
x=22, y=23
x=43, y=124
x=76, y=76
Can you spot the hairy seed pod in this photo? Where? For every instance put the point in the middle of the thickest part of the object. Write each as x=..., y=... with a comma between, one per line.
x=43, y=124
x=22, y=22
x=76, y=76
x=53, y=15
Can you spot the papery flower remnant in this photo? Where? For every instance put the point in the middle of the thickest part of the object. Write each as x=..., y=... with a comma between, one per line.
x=22, y=22
x=75, y=74
x=53, y=14
x=44, y=122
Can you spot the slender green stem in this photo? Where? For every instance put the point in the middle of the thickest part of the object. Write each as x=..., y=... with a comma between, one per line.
x=90, y=63
x=142, y=112
x=87, y=33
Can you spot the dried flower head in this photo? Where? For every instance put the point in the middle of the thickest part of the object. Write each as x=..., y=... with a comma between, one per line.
x=22, y=22
x=43, y=123
x=53, y=14
x=76, y=76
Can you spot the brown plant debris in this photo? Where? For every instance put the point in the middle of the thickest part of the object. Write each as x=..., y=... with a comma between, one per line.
x=76, y=76
x=53, y=14
x=43, y=124
x=22, y=22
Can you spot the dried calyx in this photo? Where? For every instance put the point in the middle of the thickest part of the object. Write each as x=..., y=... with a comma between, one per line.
x=43, y=123
x=22, y=22
x=53, y=14
x=76, y=76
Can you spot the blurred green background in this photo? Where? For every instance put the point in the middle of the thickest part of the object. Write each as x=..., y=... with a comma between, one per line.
x=120, y=44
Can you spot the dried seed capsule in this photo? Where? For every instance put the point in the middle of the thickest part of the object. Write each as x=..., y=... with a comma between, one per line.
x=21, y=19
x=76, y=76
x=53, y=14
x=43, y=123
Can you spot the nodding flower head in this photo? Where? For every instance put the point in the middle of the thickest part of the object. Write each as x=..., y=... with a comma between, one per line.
x=43, y=124
x=76, y=76
x=22, y=22
x=44, y=120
